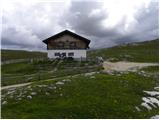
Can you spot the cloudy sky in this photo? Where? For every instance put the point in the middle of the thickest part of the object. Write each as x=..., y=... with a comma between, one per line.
x=25, y=23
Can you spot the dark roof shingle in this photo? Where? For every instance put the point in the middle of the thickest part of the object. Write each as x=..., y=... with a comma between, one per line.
x=87, y=41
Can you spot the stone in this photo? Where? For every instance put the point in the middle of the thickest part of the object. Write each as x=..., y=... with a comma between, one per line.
x=33, y=93
x=29, y=96
x=4, y=102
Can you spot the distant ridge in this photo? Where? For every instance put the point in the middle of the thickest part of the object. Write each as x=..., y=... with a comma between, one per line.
x=146, y=51
x=21, y=54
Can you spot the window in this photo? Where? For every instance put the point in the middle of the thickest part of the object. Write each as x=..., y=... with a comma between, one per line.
x=63, y=54
x=70, y=54
x=57, y=54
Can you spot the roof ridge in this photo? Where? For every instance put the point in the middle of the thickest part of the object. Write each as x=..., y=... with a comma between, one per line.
x=66, y=32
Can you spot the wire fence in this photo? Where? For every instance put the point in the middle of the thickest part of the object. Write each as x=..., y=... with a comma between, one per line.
x=21, y=60
x=49, y=73
x=42, y=69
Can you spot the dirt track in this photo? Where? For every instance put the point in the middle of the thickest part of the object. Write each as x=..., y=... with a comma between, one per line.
x=108, y=66
x=17, y=85
x=125, y=66
x=24, y=84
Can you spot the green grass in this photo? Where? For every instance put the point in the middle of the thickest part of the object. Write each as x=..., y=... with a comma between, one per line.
x=18, y=68
x=151, y=69
x=23, y=72
x=147, y=51
x=96, y=96
x=20, y=54
x=105, y=96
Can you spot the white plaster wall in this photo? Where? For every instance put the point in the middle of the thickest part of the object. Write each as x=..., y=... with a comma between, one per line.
x=77, y=53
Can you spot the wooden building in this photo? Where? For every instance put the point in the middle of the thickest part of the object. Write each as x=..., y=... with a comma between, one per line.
x=67, y=44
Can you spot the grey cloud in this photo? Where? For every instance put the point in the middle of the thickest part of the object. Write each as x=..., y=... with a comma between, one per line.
x=146, y=27
x=27, y=26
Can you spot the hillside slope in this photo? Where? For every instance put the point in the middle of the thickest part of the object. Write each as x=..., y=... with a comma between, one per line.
x=85, y=96
x=20, y=54
x=68, y=89
x=138, y=52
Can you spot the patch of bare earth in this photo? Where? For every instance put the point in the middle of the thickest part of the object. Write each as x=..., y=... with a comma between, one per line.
x=125, y=66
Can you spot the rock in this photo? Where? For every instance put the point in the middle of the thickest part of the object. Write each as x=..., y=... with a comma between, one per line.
x=92, y=77
x=29, y=78
x=155, y=117
x=29, y=96
x=47, y=93
x=146, y=106
x=50, y=87
x=4, y=102
x=10, y=92
x=137, y=108
x=59, y=83
x=33, y=93
x=25, y=92
x=55, y=69
x=19, y=98
x=152, y=93
x=99, y=59
x=20, y=95
x=66, y=80
x=42, y=85
x=11, y=89
x=118, y=74
x=143, y=72
x=156, y=88
x=29, y=87
x=89, y=74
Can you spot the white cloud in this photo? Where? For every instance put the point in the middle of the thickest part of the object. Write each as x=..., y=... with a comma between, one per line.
x=26, y=23
x=31, y=22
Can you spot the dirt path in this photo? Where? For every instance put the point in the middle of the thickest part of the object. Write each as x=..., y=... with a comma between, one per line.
x=24, y=84
x=125, y=66
x=108, y=66
x=17, y=85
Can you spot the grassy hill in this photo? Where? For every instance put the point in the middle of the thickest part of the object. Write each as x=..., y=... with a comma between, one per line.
x=22, y=72
x=95, y=95
x=147, y=51
x=20, y=54
x=74, y=89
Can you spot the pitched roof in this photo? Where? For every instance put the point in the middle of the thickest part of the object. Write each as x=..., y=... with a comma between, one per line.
x=69, y=33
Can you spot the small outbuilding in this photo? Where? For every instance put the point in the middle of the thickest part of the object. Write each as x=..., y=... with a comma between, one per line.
x=67, y=44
